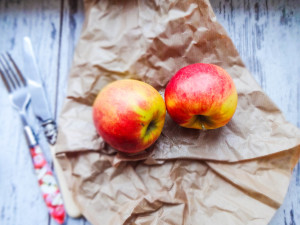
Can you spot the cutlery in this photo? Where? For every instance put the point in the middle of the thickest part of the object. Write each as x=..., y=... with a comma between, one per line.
x=39, y=99
x=21, y=99
x=43, y=113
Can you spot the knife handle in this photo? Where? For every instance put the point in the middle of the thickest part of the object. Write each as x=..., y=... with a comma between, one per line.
x=46, y=180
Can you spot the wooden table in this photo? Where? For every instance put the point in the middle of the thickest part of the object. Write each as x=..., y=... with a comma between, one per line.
x=266, y=34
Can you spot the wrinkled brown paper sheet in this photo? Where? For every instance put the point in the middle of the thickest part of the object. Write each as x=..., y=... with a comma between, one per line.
x=237, y=174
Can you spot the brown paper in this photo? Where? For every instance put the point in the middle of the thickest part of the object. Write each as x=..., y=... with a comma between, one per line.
x=222, y=176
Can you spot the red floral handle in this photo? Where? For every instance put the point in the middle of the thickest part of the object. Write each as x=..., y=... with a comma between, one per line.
x=48, y=185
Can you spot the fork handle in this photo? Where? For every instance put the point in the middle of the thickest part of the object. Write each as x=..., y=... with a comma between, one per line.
x=46, y=180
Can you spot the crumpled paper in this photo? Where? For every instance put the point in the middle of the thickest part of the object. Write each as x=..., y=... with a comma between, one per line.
x=237, y=174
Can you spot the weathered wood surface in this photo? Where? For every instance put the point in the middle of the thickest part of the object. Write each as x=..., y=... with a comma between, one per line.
x=266, y=34
x=53, y=27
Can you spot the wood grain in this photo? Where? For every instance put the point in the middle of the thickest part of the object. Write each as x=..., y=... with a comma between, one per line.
x=20, y=196
x=53, y=27
x=266, y=34
x=72, y=20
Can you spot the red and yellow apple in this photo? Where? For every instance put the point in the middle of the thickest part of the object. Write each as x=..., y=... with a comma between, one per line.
x=201, y=96
x=129, y=115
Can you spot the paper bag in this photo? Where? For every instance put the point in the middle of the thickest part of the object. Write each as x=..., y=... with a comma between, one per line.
x=237, y=174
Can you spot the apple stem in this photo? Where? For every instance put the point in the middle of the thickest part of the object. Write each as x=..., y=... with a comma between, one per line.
x=203, y=127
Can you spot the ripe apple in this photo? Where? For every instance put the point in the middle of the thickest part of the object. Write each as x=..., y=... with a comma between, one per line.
x=129, y=115
x=201, y=96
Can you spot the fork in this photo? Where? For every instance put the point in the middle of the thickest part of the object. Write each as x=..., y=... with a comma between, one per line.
x=20, y=99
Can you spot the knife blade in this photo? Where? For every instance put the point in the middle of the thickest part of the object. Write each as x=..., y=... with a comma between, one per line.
x=41, y=106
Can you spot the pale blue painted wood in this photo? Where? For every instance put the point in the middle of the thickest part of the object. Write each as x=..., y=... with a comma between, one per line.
x=20, y=199
x=47, y=24
x=264, y=32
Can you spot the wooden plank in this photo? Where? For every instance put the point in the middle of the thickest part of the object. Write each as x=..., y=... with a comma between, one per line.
x=20, y=199
x=266, y=34
x=43, y=21
x=71, y=21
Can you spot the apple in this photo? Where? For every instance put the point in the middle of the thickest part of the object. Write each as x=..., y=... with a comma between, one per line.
x=129, y=115
x=201, y=96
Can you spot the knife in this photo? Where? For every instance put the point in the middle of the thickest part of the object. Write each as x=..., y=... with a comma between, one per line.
x=43, y=113
x=39, y=99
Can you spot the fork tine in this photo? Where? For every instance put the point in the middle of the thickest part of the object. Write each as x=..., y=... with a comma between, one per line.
x=12, y=70
x=8, y=73
x=6, y=79
x=17, y=70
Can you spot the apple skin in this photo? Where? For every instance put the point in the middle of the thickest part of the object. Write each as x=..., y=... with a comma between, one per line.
x=129, y=115
x=201, y=96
